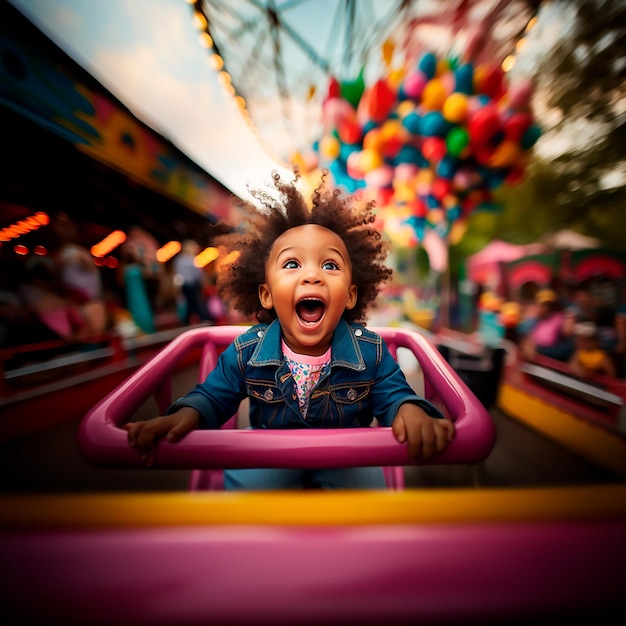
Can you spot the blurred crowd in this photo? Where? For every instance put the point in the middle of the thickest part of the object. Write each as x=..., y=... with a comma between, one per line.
x=582, y=324
x=64, y=300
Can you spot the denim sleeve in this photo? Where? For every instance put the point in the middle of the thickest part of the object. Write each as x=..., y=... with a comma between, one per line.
x=391, y=389
x=217, y=399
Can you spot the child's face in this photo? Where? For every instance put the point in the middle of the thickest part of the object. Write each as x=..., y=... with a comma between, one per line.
x=308, y=282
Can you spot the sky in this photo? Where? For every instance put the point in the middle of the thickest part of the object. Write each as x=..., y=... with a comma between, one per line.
x=147, y=54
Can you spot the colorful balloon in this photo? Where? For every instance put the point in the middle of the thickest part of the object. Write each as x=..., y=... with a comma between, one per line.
x=430, y=146
x=455, y=108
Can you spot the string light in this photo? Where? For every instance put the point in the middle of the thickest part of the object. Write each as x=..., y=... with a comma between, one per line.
x=166, y=252
x=109, y=243
x=25, y=226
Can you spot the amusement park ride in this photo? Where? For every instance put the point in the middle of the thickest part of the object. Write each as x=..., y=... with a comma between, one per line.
x=400, y=556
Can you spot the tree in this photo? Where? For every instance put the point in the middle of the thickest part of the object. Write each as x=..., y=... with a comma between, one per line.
x=582, y=83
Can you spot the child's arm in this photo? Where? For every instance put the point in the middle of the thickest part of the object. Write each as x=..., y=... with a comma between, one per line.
x=144, y=435
x=426, y=436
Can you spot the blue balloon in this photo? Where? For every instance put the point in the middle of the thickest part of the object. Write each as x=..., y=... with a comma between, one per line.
x=454, y=212
x=434, y=124
x=464, y=79
x=417, y=224
x=432, y=202
x=428, y=65
x=530, y=137
x=412, y=155
x=412, y=123
x=368, y=126
x=447, y=167
x=347, y=149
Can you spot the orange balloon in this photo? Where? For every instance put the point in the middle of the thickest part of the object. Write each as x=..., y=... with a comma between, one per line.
x=434, y=95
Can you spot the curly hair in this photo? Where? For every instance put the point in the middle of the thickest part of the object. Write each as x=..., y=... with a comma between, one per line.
x=251, y=242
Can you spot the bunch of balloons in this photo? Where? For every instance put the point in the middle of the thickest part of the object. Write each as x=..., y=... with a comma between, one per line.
x=432, y=146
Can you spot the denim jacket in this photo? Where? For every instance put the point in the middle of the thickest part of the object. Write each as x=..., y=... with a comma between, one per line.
x=361, y=382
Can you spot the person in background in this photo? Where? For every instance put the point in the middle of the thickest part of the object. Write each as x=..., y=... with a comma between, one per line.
x=308, y=275
x=80, y=276
x=588, y=358
x=191, y=280
x=546, y=333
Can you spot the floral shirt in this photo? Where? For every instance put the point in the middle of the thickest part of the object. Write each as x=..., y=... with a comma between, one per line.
x=305, y=370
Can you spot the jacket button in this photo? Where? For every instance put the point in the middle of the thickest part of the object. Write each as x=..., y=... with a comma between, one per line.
x=268, y=394
x=259, y=333
x=358, y=332
x=352, y=394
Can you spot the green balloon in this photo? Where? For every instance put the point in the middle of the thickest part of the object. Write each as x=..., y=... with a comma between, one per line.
x=457, y=140
x=352, y=90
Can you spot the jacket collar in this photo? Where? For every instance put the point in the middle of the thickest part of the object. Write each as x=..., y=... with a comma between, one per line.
x=345, y=350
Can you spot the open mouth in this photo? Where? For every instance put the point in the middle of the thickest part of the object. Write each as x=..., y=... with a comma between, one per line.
x=310, y=310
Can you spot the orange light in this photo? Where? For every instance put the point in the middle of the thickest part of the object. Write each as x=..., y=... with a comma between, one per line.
x=109, y=243
x=20, y=249
x=40, y=250
x=166, y=252
x=206, y=256
x=229, y=259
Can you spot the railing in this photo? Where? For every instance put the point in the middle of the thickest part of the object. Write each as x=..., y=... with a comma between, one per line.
x=103, y=440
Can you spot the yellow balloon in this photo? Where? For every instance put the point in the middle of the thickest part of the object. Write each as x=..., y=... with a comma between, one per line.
x=425, y=177
x=330, y=147
x=396, y=77
x=455, y=108
x=370, y=160
x=457, y=232
x=404, y=108
x=404, y=193
x=390, y=129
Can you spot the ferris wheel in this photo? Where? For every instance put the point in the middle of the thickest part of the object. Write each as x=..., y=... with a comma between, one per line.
x=278, y=56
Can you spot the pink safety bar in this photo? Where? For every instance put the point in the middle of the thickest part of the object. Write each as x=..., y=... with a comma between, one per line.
x=103, y=442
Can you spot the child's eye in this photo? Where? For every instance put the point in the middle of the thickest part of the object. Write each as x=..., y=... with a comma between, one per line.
x=291, y=264
x=330, y=265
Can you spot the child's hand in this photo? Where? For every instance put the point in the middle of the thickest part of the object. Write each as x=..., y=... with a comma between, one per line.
x=426, y=436
x=144, y=435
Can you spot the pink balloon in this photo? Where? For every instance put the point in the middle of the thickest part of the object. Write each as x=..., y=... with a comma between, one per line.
x=414, y=84
x=380, y=177
x=405, y=172
x=335, y=111
x=353, y=165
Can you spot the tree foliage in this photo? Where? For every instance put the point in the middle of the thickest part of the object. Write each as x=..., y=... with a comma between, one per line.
x=582, y=82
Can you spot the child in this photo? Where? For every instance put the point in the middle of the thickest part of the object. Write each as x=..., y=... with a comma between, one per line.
x=588, y=358
x=308, y=276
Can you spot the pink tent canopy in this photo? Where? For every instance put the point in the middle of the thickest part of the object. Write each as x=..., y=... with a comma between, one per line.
x=484, y=266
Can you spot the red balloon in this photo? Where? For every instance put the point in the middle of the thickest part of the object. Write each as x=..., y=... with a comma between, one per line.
x=517, y=125
x=441, y=188
x=349, y=131
x=334, y=89
x=492, y=81
x=434, y=149
x=379, y=101
x=485, y=123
